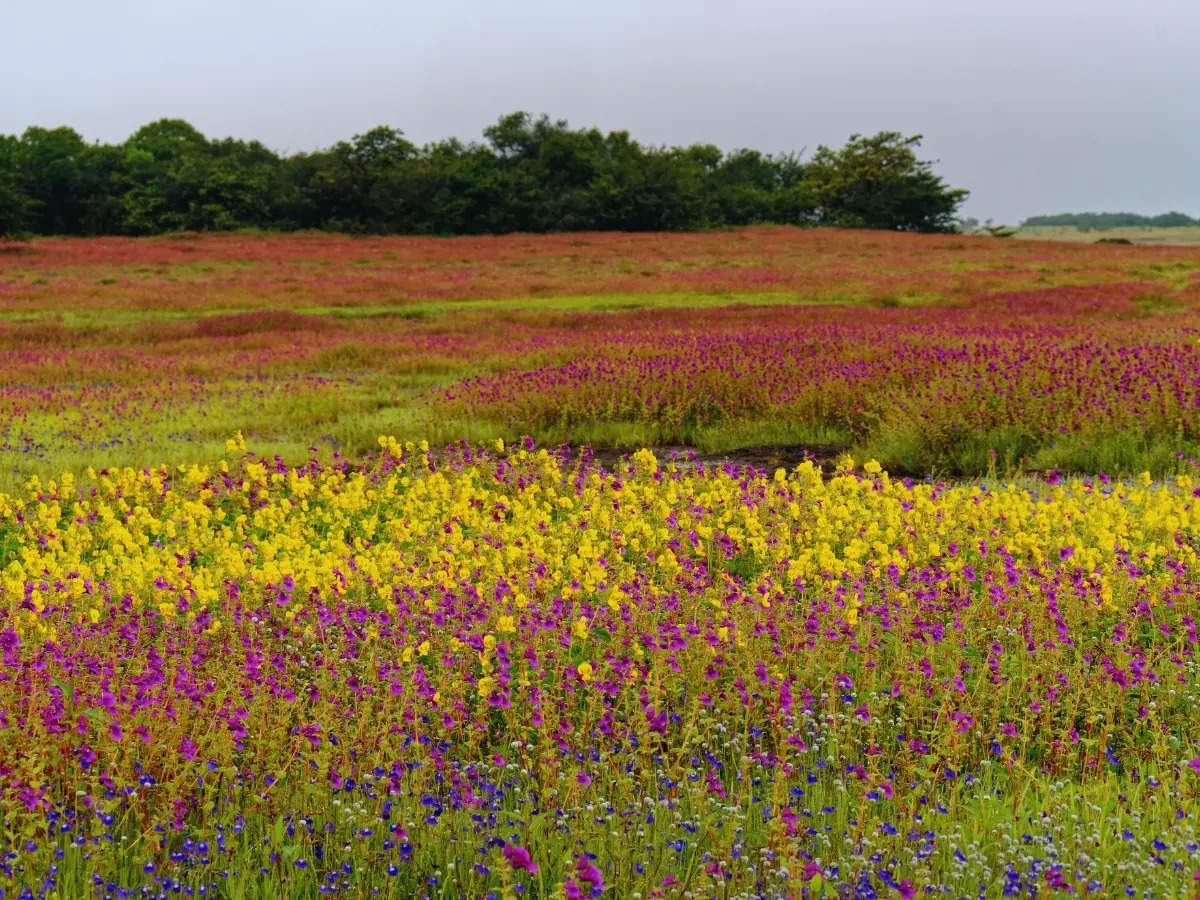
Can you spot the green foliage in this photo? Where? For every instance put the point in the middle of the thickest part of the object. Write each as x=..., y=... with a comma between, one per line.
x=49, y=167
x=1106, y=221
x=14, y=203
x=878, y=182
x=532, y=174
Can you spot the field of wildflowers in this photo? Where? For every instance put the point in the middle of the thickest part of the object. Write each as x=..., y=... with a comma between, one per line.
x=944, y=353
x=513, y=672
x=306, y=660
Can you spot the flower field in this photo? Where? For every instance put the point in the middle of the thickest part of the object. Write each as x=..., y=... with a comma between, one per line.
x=454, y=661
x=943, y=353
x=511, y=672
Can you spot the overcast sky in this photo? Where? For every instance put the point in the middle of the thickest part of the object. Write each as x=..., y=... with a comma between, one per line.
x=1034, y=105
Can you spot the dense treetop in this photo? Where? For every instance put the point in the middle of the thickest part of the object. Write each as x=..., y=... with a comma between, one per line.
x=1106, y=220
x=531, y=174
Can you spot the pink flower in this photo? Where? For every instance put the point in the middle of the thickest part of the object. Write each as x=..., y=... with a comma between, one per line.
x=519, y=858
x=588, y=873
x=1194, y=765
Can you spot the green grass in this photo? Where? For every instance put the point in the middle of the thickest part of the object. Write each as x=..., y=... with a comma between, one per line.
x=979, y=824
x=1183, y=235
x=100, y=317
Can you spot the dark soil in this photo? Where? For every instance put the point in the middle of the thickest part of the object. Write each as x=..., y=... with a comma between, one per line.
x=768, y=458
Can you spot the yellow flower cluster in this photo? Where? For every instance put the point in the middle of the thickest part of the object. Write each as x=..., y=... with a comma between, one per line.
x=165, y=536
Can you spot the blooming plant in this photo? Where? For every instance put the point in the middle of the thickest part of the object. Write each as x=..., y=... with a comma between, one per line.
x=509, y=670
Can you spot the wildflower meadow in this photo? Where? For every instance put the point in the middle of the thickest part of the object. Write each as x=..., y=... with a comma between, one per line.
x=439, y=567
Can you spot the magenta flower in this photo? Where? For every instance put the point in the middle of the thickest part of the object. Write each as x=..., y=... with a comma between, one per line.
x=586, y=872
x=1194, y=765
x=187, y=749
x=519, y=858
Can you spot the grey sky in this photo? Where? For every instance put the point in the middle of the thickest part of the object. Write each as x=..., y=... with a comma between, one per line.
x=1047, y=106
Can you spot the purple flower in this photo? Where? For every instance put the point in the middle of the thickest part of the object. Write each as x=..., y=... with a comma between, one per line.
x=586, y=872
x=519, y=858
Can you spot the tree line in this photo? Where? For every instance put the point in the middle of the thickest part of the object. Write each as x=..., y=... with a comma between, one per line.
x=1107, y=220
x=530, y=174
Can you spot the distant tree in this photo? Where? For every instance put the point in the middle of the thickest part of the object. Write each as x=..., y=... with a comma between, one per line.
x=101, y=181
x=358, y=185
x=1173, y=220
x=878, y=182
x=745, y=184
x=14, y=203
x=50, y=173
x=1106, y=220
x=158, y=176
x=460, y=189
x=531, y=173
x=168, y=140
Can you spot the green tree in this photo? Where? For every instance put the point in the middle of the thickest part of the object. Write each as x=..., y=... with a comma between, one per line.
x=1103, y=221
x=50, y=173
x=357, y=185
x=878, y=182
x=531, y=173
x=158, y=176
x=14, y=203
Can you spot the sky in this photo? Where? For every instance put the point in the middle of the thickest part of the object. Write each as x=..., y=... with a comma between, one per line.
x=1035, y=107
